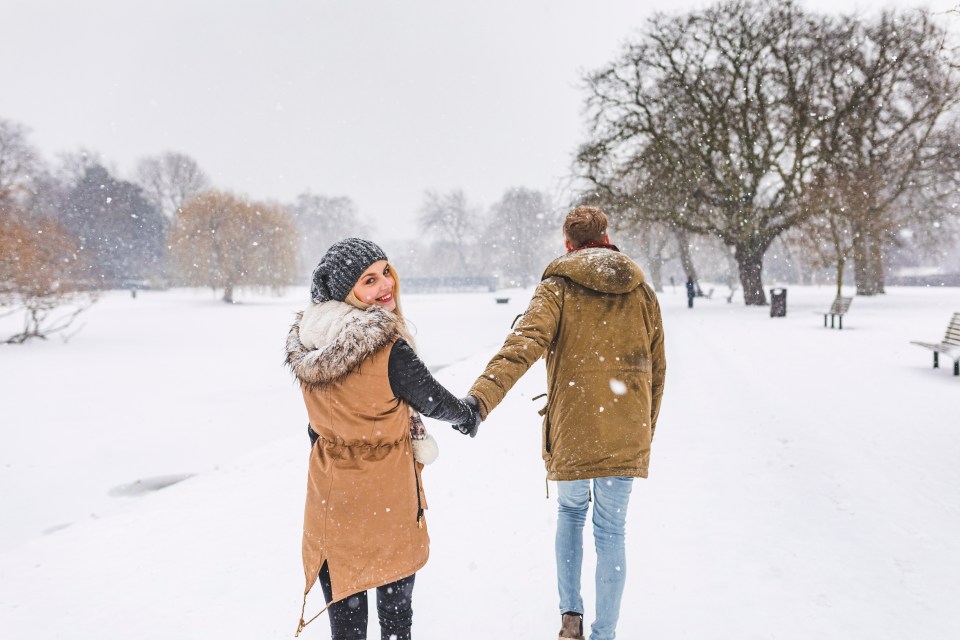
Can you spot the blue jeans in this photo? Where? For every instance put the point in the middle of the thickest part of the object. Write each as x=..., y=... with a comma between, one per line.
x=610, y=499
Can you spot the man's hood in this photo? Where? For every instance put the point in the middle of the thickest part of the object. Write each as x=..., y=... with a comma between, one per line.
x=603, y=270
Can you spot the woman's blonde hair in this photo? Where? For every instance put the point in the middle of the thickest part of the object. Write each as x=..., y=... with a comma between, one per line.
x=354, y=301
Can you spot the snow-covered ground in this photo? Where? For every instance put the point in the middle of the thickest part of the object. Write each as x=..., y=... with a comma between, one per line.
x=804, y=482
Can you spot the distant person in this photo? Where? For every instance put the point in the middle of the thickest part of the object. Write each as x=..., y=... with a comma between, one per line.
x=598, y=323
x=691, y=291
x=363, y=385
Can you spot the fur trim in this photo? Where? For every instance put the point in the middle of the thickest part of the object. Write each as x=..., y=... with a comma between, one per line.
x=331, y=339
x=425, y=450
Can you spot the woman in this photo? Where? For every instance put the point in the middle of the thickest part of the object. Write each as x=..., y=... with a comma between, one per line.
x=361, y=380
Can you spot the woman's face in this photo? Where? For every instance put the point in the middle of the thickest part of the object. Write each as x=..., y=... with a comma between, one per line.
x=376, y=285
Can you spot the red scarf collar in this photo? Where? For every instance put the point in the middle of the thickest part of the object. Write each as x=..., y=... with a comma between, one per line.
x=593, y=244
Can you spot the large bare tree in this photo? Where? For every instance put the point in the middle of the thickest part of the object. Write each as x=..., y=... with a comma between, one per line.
x=747, y=119
x=887, y=153
x=711, y=116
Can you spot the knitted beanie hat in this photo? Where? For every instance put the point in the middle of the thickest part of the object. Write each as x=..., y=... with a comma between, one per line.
x=340, y=268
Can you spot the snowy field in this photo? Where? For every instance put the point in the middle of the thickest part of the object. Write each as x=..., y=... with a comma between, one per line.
x=805, y=483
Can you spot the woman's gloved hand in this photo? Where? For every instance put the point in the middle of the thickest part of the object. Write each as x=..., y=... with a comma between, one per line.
x=470, y=428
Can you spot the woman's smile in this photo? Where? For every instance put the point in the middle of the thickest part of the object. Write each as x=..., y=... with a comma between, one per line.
x=376, y=286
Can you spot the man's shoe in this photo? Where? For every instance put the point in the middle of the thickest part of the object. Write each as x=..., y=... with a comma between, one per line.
x=571, y=627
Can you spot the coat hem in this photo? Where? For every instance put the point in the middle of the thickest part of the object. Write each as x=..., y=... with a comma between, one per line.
x=399, y=575
x=590, y=474
x=337, y=597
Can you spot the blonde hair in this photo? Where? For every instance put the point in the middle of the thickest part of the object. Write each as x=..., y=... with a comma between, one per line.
x=354, y=301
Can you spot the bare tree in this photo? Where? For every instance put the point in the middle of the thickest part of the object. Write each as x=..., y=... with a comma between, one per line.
x=169, y=179
x=887, y=152
x=653, y=244
x=19, y=160
x=73, y=165
x=222, y=241
x=827, y=241
x=707, y=122
x=450, y=219
x=321, y=221
x=522, y=235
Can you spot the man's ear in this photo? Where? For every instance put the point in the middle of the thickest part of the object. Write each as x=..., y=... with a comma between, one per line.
x=570, y=247
x=606, y=238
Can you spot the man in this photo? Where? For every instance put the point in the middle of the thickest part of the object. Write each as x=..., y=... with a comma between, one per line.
x=598, y=323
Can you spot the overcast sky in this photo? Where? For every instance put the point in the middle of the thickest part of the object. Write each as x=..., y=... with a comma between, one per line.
x=374, y=100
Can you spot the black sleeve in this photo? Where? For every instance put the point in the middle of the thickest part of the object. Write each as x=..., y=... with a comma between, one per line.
x=413, y=383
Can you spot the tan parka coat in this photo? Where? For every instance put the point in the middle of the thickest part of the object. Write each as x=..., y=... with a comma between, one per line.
x=598, y=323
x=365, y=501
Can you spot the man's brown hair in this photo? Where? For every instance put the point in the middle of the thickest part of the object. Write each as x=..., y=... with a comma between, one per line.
x=585, y=224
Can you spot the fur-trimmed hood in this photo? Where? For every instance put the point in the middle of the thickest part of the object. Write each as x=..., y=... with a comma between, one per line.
x=331, y=339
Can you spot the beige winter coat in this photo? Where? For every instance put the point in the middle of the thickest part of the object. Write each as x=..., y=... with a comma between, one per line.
x=365, y=500
x=598, y=323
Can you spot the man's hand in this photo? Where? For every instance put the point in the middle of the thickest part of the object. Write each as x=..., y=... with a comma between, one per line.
x=470, y=428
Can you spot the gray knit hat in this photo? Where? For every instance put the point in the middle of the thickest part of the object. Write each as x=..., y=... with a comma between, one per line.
x=340, y=268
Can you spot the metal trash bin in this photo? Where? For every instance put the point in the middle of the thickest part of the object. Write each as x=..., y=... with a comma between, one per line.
x=778, y=303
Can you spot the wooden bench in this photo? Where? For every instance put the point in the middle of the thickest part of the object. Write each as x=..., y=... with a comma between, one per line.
x=840, y=306
x=950, y=346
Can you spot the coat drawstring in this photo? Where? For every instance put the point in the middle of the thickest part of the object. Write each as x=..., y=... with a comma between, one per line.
x=546, y=482
x=303, y=609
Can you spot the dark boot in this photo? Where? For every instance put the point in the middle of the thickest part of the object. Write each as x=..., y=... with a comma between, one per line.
x=571, y=627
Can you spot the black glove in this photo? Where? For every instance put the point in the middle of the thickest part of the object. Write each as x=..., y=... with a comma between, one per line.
x=470, y=428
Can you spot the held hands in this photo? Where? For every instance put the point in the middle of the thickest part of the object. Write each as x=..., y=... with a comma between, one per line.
x=470, y=428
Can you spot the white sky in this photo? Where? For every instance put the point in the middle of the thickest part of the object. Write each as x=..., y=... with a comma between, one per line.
x=375, y=100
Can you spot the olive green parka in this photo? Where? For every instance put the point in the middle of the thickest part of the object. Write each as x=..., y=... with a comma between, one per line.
x=599, y=325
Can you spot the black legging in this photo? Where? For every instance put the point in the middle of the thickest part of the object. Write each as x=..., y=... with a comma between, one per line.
x=348, y=617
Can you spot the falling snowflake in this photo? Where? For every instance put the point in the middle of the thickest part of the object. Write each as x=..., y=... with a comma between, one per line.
x=618, y=386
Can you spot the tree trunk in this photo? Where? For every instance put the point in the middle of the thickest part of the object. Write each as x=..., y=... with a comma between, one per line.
x=868, y=276
x=876, y=264
x=228, y=294
x=750, y=266
x=463, y=260
x=656, y=274
x=686, y=260
x=841, y=263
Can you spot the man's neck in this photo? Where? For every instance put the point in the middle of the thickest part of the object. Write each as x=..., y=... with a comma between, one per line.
x=593, y=244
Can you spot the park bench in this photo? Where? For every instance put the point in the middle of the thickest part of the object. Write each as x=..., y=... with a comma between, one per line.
x=839, y=307
x=950, y=346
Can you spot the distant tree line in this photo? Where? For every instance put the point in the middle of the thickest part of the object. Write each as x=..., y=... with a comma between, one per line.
x=74, y=228
x=759, y=123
